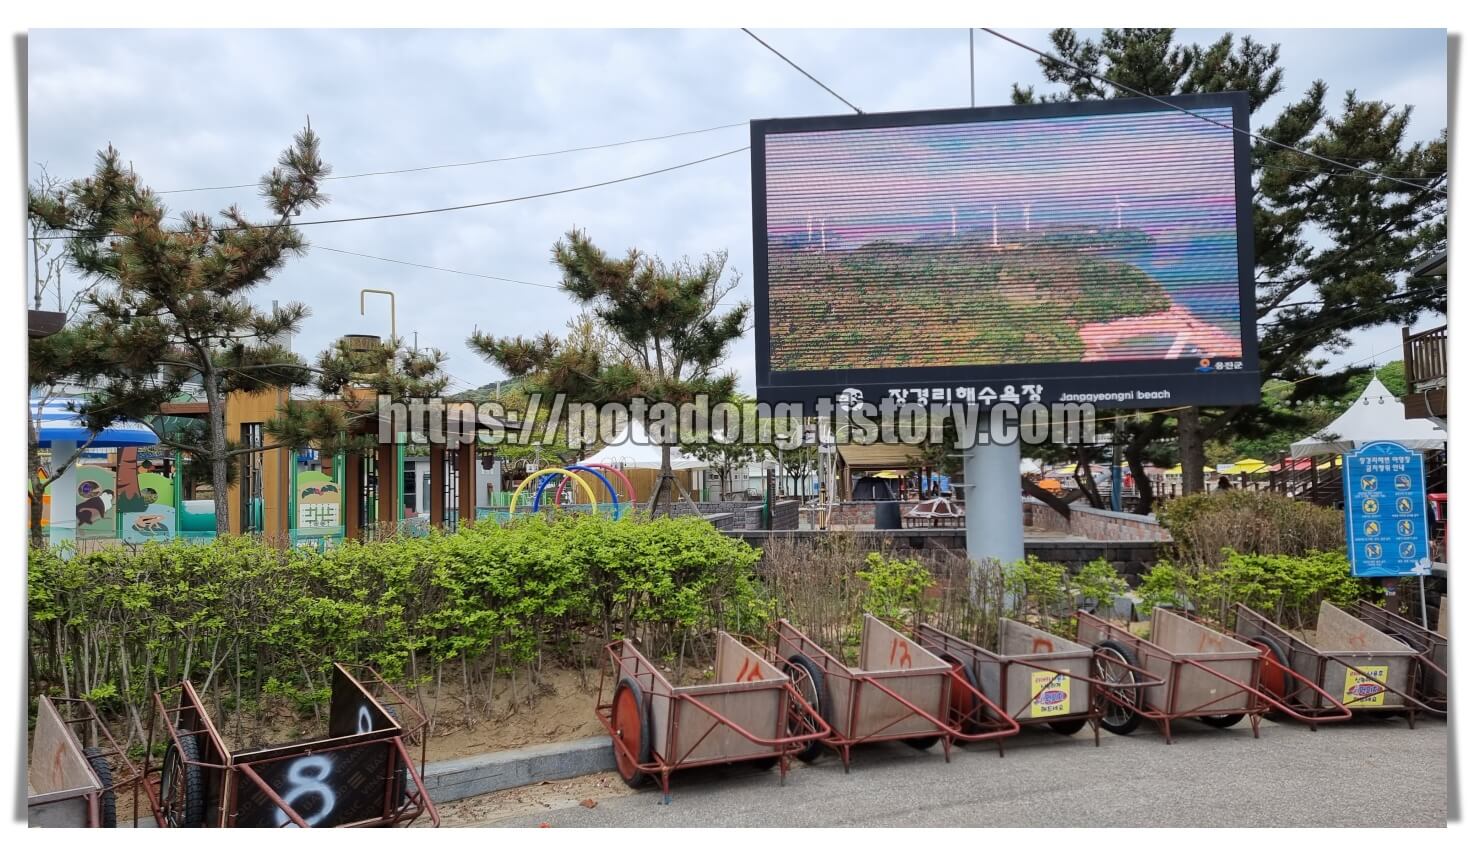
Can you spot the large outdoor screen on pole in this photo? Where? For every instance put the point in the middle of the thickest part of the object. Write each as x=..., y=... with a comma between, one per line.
x=1095, y=251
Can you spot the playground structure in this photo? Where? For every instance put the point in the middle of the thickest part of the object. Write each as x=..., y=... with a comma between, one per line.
x=899, y=691
x=1207, y=675
x=545, y=476
x=1352, y=660
x=749, y=712
x=358, y=775
x=69, y=784
x=1034, y=676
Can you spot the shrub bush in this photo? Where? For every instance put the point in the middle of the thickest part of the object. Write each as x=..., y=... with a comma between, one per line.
x=240, y=616
x=1204, y=525
x=1286, y=589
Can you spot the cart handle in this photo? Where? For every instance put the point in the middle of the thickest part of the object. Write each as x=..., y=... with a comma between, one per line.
x=1011, y=726
x=764, y=741
x=1102, y=684
x=1401, y=694
x=1342, y=715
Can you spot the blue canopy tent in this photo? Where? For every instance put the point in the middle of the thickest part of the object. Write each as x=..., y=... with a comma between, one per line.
x=59, y=427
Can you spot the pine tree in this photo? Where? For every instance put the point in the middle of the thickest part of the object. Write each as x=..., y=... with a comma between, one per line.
x=667, y=336
x=1333, y=246
x=172, y=303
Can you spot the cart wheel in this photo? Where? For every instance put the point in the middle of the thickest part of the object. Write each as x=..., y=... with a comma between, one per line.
x=1223, y=721
x=631, y=720
x=109, y=799
x=809, y=681
x=1275, y=678
x=765, y=763
x=1068, y=727
x=965, y=711
x=1114, y=717
x=182, y=784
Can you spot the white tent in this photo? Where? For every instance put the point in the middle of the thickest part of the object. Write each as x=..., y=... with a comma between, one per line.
x=635, y=451
x=1375, y=416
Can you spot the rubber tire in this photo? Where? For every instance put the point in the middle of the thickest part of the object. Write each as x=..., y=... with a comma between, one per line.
x=1278, y=653
x=1223, y=721
x=1069, y=727
x=816, y=677
x=193, y=810
x=637, y=778
x=764, y=763
x=1130, y=661
x=961, y=669
x=922, y=744
x=109, y=799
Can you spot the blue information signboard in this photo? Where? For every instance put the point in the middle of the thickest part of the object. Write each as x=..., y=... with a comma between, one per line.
x=1387, y=528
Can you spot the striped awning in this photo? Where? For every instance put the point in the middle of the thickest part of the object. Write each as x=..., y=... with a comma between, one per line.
x=59, y=422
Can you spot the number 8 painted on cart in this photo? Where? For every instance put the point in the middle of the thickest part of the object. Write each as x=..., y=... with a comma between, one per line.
x=309, y=777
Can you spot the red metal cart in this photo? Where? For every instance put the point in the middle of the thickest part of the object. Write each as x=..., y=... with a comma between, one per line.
x=359, y=775
x=1432, y=666
x=1208, y=676
x=750, y=712
x=899, y=691
x=1037, y=676
x=1351, y=660
x=71, y=780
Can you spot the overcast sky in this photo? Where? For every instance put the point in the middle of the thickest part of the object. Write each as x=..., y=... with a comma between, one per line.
x=206, y=108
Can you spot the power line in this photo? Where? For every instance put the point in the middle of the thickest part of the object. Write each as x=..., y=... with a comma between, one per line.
x=483, y=161
x=1173, y=106
x=451, y=270
x=433, y=267
x=445, y=209
x=802, y=71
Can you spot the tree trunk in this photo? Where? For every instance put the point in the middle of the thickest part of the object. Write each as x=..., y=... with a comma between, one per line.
x=663, y=482
x=38, y=496
x=1085, y=479
x=1139, y=478
x=1191, y=450
x=219, y=457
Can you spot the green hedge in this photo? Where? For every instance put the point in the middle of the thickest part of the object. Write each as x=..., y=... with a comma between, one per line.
x=248, y=618
x=1205, y=525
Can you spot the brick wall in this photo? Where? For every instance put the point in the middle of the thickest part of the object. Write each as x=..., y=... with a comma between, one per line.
x=1094, y=523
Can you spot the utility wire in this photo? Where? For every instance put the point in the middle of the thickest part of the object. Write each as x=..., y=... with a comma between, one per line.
x=467, y=206
x=802, y=71
x=483, y=161
x=451, y=270
x=1173, y=106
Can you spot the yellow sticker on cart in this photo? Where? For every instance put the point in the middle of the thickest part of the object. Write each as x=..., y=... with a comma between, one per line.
x=1049, y=694
x=1366, y=689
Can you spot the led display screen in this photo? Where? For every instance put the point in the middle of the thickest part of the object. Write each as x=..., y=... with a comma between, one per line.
x=1089, y=251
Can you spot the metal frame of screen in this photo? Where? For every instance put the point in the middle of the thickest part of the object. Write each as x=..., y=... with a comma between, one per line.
x=1182, y=379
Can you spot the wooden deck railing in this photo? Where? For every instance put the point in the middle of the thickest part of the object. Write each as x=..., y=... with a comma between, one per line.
x=1424, y=358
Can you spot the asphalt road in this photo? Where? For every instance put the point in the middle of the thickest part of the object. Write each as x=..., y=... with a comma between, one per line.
x=1364, y=773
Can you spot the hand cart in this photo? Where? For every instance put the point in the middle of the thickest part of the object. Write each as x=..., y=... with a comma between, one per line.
x=1034, y=676
x=359, y=775
x=900, y=691
x=69, y=784
x=1432, y=665
x=1208, y=675
x=751, y=712
x=1351, y=660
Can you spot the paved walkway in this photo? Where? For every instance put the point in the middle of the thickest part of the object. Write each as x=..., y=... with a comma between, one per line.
x=1364, y=773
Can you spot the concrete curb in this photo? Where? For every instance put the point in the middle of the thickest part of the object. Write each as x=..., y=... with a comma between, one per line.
x=460, y=778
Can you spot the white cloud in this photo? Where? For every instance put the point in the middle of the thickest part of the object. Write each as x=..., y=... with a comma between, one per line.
x=195, y=108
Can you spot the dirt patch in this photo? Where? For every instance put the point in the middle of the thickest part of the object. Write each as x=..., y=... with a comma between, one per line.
x=560, y=708
x=533, y=800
